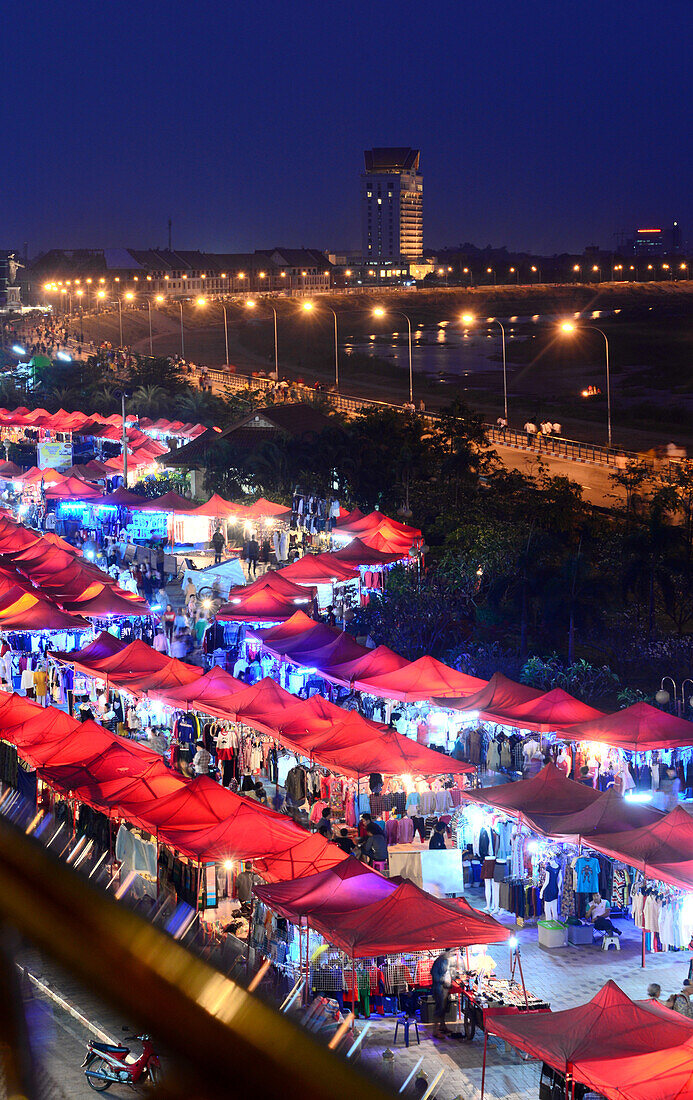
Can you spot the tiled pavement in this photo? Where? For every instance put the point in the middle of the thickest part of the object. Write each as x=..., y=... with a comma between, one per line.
x=565, y=977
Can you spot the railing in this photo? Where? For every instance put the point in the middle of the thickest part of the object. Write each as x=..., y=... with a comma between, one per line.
x=223, y=1041
x=555, y=446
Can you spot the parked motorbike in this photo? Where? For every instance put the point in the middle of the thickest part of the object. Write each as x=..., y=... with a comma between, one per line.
x=107, y=1063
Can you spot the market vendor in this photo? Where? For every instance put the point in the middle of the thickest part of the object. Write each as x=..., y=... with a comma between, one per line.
x=598, y=914
x=441, y=977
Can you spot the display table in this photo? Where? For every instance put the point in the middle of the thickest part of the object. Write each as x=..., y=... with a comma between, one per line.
x=499, y=997
x=439, y=872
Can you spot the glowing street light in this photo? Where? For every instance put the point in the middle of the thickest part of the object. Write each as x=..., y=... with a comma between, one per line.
x=468, y=320
x=251, y=304
x=568, y=328
x=380, y=312
x=308, y=307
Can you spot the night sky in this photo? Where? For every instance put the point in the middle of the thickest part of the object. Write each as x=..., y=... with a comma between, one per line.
x=544, y=124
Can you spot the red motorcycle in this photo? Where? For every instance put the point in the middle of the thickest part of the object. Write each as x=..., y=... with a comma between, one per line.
x=107, y=1063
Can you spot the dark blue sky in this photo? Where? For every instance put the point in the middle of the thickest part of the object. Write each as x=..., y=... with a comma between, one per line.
x=543, y=124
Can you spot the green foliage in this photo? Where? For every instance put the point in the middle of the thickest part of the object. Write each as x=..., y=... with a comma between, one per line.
x=578, y=677
x=419, y=614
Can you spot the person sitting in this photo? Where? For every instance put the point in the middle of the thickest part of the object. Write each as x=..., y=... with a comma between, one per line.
x=681, y=1002
x=201, y=759
x=597, y=913
x=654, y=991
x=374, y=847
x=325, y=824
x=345, y=842
x=260, y=793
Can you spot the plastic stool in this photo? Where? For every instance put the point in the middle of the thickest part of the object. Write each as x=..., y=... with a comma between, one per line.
x=611, y=941
x=382, y=867
x=406, y=1022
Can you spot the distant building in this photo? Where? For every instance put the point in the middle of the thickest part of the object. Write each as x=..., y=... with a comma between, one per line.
x=177, y=273
x=649, y=241
x=392, y=205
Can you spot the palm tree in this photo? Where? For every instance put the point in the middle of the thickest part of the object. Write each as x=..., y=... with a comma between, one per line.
x=147, y=400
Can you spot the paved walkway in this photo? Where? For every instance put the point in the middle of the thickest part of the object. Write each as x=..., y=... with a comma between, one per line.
x=566, y=977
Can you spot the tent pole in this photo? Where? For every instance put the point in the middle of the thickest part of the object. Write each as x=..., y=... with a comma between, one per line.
x=354, y=987
x=642, y=960
x=300, y=951
x=567, y=1082
x=522, y=977
x=483, y=1065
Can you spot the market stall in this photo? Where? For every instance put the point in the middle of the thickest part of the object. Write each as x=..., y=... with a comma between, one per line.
x=602, y=1045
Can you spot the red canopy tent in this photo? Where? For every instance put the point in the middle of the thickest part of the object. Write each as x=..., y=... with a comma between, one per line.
x=349, y=517
x=497, y=696
x=555, y=710
x=271, y=581
x=264, y=606
x=305, y=857
x=426, y=678
x=34, y=476
x=299, y=624
x=217, y=508
x=122, y=498
x=211, y=689
x=662, y=1075
x=638, y=728
x=73, y=488
x=314, y=569
x=378, y=521
x=610, y=1031
x=408, y=919
x=10, y=471
x=22, y=611
x=390, y=754
x=549, y=792
x=261, y=705
x=662, y=851
x=610, y=812
x=357, y=552
x=55, y=540
x=103, y=645
x=374, y=662
x=106, y=603
x=265, y=509
x=169, y=502
x=346, y=886
x=342, y=647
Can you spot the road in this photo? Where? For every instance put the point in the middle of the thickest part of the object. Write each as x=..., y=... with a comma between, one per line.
x=60, y=1026
x=597, y=487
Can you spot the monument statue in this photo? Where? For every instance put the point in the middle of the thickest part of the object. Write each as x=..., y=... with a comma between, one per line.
x=13, y=266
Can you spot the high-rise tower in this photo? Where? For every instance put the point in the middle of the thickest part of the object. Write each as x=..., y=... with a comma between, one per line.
x=392, y=205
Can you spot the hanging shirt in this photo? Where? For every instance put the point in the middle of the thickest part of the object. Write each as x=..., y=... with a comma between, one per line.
x=587, y=875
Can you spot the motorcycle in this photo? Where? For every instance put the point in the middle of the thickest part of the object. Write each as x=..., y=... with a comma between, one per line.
x=107, y=1063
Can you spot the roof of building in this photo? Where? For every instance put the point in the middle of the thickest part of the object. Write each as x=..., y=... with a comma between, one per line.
x=392, y=159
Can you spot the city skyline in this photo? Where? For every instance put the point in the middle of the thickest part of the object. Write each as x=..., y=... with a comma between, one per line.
x=520, y=118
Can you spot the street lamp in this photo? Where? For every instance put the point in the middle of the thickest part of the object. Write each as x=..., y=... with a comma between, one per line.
x=568, y=328
x=597, y=271
x=516, y=272
x=80, y=293
x=467, y=320
x=536, y=271
x=576, y=269
x=159, y=298
x=491, y=271
x=617, y=267
x=128, y=297
x=182, y=337
x=308, y=307
x=467, y=271
x=251, y=304
x=380, y=312
x=684, y=267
